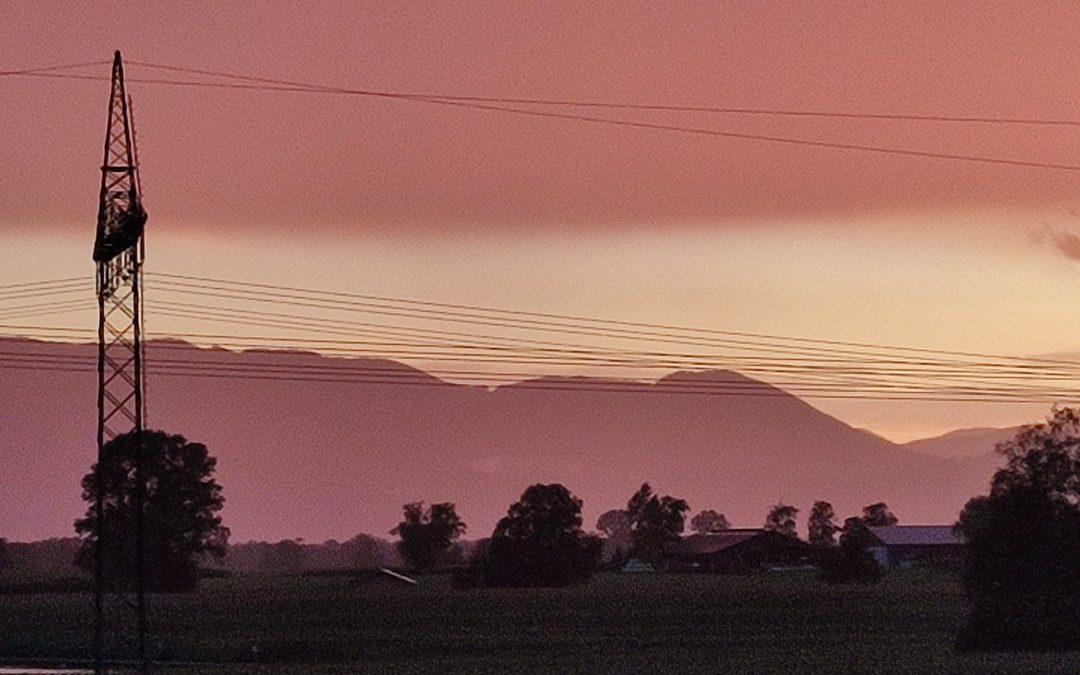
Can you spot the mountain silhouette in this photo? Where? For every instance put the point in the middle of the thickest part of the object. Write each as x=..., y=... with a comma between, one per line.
x=962, y=443
x=323, y=460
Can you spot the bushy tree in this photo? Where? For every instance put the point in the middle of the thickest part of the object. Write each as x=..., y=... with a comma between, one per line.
x=709, y=521
x=427, y=534
x=1024, y=543
x=822, y=524
x=781, y=519
x=656, y=521
x=181, y=501
x=851, y=562
x=540, y=542
x=878, y=515
x=614, y=523
x=854, y=527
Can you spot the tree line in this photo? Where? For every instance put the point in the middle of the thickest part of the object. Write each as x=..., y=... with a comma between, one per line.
x=541, y=541
x=1022, y=574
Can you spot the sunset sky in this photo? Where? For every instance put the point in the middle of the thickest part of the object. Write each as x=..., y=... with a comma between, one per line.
x=411, y=199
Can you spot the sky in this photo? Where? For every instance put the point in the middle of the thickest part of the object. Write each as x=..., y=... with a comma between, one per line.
x=434, y=202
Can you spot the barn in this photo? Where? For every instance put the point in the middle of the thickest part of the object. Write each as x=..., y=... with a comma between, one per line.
x=738, y=551
x=906, y=545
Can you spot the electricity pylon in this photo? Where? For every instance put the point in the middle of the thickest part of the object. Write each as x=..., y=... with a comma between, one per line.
x=120, y=622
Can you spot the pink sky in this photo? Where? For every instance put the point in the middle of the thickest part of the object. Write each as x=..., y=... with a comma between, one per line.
x=413, y=200
x=256, y=161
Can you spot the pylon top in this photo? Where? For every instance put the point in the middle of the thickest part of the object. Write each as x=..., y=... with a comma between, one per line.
x=121, y=216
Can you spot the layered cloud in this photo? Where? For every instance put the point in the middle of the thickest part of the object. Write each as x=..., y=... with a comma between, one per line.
x=246, y=161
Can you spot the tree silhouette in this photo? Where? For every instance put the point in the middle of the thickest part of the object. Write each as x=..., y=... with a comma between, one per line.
x=427, y=534
x=781, y=519
x=180, y=506
x=5, y=560
x=709, y=521
x=851, y=561
x=1024, y=543
x=656, y=521
x=878, y=515
x=822, y=524
x=540, y=541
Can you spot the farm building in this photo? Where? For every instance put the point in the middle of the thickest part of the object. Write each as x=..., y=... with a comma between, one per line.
x=738, y=550
x=902, y=545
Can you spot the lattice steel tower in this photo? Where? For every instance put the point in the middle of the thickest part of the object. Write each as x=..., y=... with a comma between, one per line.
x=120, y=622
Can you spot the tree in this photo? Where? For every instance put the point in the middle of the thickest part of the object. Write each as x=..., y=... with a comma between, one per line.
x=878, y=515
x=822, y=524
x=614, y=523
x=655, y=521
x=181, y=501
x=1024, y=543
x=709, y=521
x=427, y=534
x=5, y=559
x=781, y=519
x=850, y=562
x=540, y=542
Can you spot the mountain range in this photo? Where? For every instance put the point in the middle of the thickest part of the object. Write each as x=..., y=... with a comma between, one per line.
x=962, y=443
x=321, y=460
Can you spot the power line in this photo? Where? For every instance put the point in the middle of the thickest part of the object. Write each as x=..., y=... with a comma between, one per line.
x=854, y=372
x=288, y=85
x=41, y=284
x=396, y=372
x=301, y=322
x=850, y=368
x=858, y=369
x=381, y=349
x=802, y=388
x=587, y=356
x=633, y=359
x=25, y=294
x=647, y=329
x=309, y=374
x=308, y=87
x=467, y=102
x=47, y=69
x=59, y=308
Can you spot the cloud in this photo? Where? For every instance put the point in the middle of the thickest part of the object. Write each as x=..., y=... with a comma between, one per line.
x=247, y=162
x=1068, y=243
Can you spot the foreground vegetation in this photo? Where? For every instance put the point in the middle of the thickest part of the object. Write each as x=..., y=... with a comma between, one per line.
x=627, y=623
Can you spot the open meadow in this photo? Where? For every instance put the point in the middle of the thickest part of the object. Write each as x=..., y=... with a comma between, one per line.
x=779, y=622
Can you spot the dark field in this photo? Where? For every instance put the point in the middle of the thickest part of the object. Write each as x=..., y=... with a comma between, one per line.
x=783, y=622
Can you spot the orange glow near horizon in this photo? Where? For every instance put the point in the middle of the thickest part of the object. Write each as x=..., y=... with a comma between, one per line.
x=971, y=284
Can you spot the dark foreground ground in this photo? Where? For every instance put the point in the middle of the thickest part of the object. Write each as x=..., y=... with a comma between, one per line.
x=780, y=622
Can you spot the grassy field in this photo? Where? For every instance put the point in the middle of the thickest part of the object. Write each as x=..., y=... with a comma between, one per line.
x=617, y=623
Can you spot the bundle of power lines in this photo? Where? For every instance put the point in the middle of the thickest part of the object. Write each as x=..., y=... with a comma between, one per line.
x=570, y=110
x=463, y=344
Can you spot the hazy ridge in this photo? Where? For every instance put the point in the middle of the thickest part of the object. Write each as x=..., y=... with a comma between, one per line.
x=328, y=460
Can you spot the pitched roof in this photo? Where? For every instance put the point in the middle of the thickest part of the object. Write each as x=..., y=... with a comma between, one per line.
x=703, y=544
x=916, y=535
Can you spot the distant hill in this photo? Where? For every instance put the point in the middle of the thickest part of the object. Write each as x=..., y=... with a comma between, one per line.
x=328, y=460
x=963, y=443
